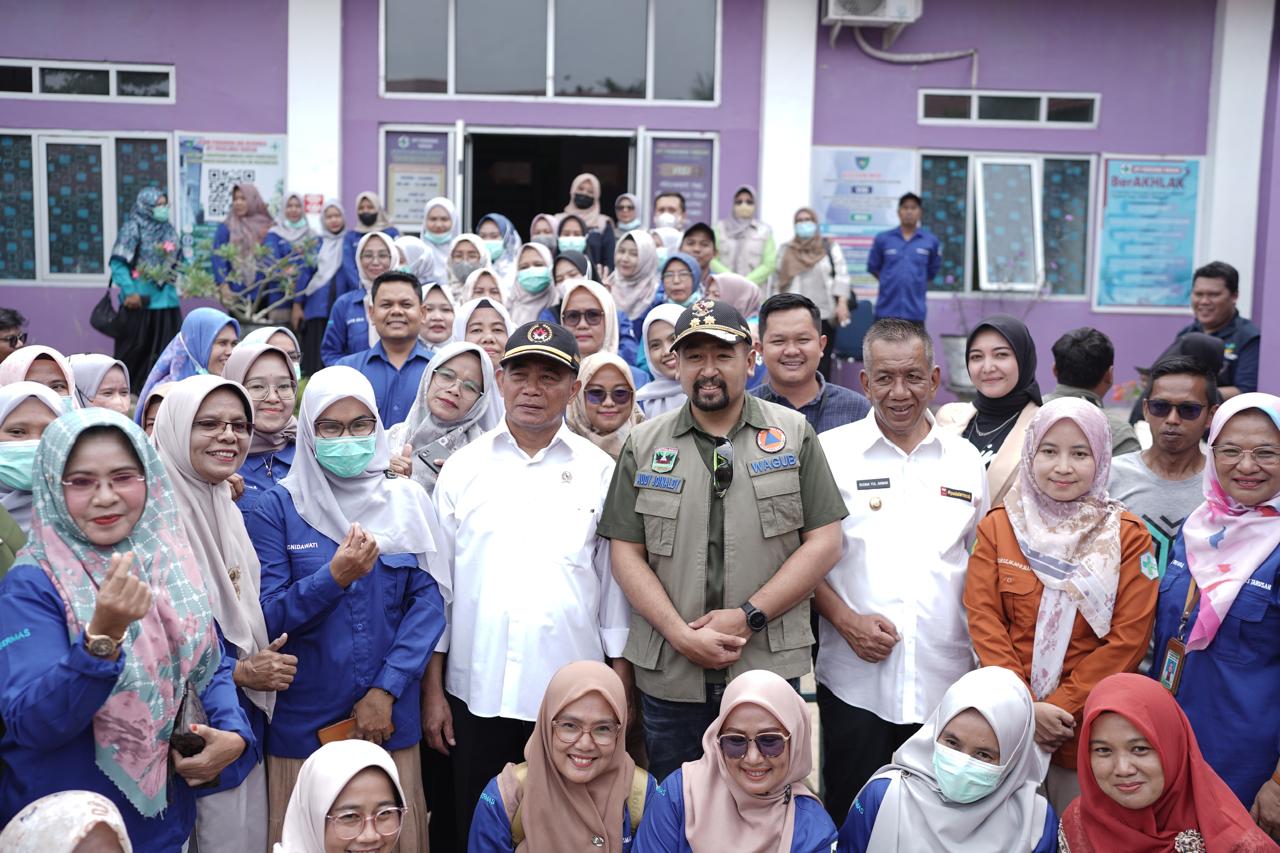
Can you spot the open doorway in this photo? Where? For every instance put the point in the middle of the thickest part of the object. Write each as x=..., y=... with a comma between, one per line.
x=522, y=175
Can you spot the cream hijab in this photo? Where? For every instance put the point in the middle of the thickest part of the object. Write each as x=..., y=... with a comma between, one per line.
x=13, y=395
x=59, y=822
x=576, y=417
x=592, y=217
x=601, y=294
x=525, y=305
x=719, y=815
x=915, y=816
x=214, y=526
x=320, y=781
x=16, y=366
x=636, y=292
x=496, y=410
x=367, y=283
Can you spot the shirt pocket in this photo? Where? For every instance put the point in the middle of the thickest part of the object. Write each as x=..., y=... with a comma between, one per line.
x=1017, y=591
x=791, y=630
x=779, y=502
x=1251, y=632
x=660, y=510
x=394, y=570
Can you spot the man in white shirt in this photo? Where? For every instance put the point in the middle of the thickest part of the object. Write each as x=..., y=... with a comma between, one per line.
x=893, y=630
x=533, y=587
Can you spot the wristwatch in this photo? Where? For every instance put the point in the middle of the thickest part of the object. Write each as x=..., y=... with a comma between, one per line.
x=756, y=619
x=101, y=645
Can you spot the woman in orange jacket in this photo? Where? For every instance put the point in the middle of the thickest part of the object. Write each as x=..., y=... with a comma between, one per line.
x=1061, y=587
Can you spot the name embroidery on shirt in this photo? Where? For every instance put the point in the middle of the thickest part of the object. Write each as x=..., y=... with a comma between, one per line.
x=1006, y=561
x=15, y=637
x=773, y=463
x=1260, y=584
x=660, y=482
x=302, y=546
x=958, y=494
x=878, y=483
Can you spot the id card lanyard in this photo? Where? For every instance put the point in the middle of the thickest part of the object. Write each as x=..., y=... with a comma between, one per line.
x=1174, y=659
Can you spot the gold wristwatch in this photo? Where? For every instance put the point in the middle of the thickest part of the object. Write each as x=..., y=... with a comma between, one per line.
x=101, y=645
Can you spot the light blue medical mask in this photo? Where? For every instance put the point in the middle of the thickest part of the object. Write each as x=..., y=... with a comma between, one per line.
x=572, y=244
x=495, y=249
x=347, y=455
x=17, y=463
x=433, y=237
x=160, y=213
x=963, y=778
x=806, y=229
x=68, y=404
x=693, y=297
x=534, y=279
x=663, y=254
x=296, y=223
x=629, y=226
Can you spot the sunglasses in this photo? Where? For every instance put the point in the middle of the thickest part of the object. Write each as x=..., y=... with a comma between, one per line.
x=13, y=341
x=620, y=396
x=593, y=316
x=1187, y=411
x=770, y=744
x=722, y=468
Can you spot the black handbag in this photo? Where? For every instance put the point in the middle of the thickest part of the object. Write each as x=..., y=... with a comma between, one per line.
x=105, y=317
x=184, y=741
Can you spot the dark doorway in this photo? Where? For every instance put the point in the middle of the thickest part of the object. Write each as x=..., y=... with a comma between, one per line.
x=521, y=176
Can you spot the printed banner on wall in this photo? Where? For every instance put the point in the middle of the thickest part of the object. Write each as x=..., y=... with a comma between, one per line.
x=209, y=167
x=1148, y=234
x=417, y=171
x=855, y=192
x=685, y=166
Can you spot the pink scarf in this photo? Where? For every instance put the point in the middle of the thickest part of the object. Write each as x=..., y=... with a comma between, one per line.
x=1226, y=541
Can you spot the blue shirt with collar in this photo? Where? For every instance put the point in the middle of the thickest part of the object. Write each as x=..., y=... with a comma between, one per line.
x=347, y=331
x=1242, y=344
x=834, y=406
x=904, y=268
x=262, y=472
x=394, y=388
x=1230, y=690
x=491, y=828
x=378, y=632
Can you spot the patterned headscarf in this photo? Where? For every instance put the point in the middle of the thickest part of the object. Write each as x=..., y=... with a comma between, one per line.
x=174, y=643
x=141, y=237
x=188, y=353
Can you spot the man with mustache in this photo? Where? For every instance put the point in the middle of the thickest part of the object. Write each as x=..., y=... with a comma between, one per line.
x=723, y=517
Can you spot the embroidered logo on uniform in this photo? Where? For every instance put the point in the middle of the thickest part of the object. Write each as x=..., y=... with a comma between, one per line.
x=1150, y=569
x=959, y=494
x=773, y=463
x=703, y=307
x=664, y=459
x=878, y=483
x=661, y=482
x=1229, y=351
x=540, y=333
x=771, y=440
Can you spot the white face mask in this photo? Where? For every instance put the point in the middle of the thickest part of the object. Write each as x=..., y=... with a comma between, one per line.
x=665, y=220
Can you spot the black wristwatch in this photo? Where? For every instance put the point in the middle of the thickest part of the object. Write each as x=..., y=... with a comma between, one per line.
x=756, y=620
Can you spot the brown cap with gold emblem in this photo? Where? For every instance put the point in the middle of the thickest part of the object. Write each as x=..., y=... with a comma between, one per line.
x=712, y=317
x=545, y=340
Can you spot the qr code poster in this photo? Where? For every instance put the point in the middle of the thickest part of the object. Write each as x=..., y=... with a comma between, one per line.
x=210, y=165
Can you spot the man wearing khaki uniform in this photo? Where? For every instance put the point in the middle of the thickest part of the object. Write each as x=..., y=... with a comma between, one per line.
x=723, y=517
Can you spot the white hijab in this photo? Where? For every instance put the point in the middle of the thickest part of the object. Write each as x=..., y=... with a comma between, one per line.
x=915, y=816
x=440, y=251
x=396, y=511
x=59, y=822
x=329, y=255
x=448, y=294
x=525, y=305
x=13, y=395
x=455, y=284
x=660, y=394
x=214, y=525
x=320, y=781
x=496, y=409
x=366, y=283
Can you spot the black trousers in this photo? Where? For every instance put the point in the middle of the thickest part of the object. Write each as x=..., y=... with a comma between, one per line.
x=437, y=784
x=855, y=744
x=485, y=746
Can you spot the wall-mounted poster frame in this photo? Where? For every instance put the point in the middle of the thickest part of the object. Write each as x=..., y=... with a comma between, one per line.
x=416, y=162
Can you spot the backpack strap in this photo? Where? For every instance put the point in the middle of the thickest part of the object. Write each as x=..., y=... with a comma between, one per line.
x=517, y=825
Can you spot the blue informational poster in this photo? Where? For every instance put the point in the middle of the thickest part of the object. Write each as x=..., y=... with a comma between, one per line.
x=1147, y=234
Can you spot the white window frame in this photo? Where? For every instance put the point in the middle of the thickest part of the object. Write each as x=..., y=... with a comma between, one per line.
x=1041, y=122
x=113, y=69
x=1037, y=259
x=451, y=93
x=40, y=138
x=969, y=288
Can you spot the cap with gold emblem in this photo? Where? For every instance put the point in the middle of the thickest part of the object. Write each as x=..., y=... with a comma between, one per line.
x=712, y=317
x=546, y=340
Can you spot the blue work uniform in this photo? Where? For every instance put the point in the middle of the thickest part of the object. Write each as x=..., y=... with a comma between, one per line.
x=394, y=388
x=491, y=828
x=662, y=830
x=347, y=332
x=1242, y=344
x=262, y=472
x=378, y=632
x=1230, y=691
x=904, y=268
x=222, y=267
x=281, y=248
x=50, y=689
x=855, y=835
x=349, y=242
x=834, y=406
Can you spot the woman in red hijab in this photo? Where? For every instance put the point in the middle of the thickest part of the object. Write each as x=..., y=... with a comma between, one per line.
x=1144, y=787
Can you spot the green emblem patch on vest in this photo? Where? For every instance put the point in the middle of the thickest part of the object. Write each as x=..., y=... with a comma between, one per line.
x=1150, y=568
x=664, y=459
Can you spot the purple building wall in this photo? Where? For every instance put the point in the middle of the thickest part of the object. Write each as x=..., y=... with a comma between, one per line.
x=230, y=69
x=1152, y=71
x=1267, y=309
x=737, y=118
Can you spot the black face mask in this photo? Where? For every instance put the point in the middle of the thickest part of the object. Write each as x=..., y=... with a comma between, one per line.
x=368, y=218
x=582, y=201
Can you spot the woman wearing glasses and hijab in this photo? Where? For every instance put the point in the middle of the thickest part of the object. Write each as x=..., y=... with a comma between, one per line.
x=266, y=373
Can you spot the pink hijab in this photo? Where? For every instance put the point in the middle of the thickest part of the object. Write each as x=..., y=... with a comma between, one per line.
x=719, y=815
x=592, y=216
x=15, y=367
x=735, y=289
x=1226, y=540
x=247, y=231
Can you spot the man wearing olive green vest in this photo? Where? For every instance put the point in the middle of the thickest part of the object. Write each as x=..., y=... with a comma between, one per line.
x=723, y=517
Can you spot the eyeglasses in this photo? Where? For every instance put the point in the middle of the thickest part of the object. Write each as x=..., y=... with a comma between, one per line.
x=378, y=256
x=259, y=391
x=215, y=427
x=349, y=825
x=568, y=731
x=1267, y=457
x=621, y=395
x=593, y=316
x=624, y=206
x=360, y=427
x=294, y=355
x=1187, y=411
x=722, y=466
x=770, y=744
x=677, y=275
x=450, y=380
x=84, y=485
x=15, y=341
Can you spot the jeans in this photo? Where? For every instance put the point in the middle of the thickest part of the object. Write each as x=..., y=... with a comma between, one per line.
x=673, y=730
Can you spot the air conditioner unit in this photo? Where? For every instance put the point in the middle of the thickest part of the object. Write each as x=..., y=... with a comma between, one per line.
x=871, y=13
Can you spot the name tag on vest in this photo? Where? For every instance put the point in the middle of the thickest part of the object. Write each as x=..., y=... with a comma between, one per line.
x=773, y=463
x=878, y=483
x=662, y=482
